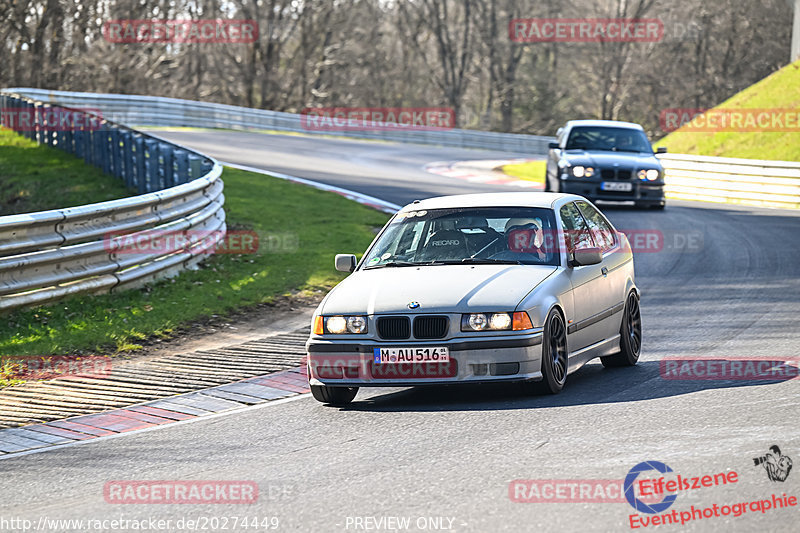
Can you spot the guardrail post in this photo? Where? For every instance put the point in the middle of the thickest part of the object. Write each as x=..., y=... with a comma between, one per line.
x=46, y=125
x=32, y=115
x=115, y=159
x=100, y=147
x=138, y=164
x=80, y=143
x=67, y=137
x=151, y=164
x=8, y=113
x=126, y=157
x=195, y=167
x=180, y=161
x=168, y=169
x=88, y=144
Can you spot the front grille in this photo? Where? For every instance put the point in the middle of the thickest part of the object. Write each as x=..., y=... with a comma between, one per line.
x=623, y=174
x=394, y=327
x=607, y=173
x=615, y=193
x=430, y=327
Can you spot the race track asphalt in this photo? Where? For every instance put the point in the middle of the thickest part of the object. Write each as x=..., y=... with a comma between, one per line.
x=725, y=284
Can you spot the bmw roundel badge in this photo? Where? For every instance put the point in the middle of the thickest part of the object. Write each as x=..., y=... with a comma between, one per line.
x=413, y=305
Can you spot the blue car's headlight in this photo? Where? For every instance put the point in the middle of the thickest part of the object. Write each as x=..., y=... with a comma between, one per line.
x=649, y=174
x=580, y=171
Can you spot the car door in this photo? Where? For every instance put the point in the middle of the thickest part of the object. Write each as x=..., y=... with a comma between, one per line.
x=591, y=296
x=613, y=266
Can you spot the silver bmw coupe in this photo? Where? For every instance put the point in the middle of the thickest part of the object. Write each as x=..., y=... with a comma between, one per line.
x=478, y=288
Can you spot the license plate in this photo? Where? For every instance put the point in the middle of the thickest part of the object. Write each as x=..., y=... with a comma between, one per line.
x=417, y=354
x=617, y=186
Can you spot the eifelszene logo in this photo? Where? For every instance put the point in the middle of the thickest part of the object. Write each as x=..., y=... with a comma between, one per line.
x=630, y=494
x=776, y=464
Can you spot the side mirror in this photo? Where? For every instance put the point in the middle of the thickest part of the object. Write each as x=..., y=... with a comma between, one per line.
x=553, y=146
x=345, y=262
x=587, y=256
x=661, y=150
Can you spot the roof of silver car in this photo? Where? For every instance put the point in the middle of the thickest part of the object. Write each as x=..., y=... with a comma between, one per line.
x=494, y=199
x=612, y=123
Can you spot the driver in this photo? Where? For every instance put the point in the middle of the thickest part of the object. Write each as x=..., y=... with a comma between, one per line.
x=524, y=235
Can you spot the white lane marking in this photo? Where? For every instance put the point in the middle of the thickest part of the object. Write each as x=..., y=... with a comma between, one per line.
x=234, y=410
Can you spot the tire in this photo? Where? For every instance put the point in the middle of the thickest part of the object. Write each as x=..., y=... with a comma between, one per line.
x=658, y=207
x=630, y=332
x=336, y=396
x=554, y=355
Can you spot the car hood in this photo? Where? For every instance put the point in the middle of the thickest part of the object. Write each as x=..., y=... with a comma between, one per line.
x=437, y=289
x=598, y=159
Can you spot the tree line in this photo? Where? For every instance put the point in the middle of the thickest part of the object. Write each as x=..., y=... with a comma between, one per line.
x=407, y=53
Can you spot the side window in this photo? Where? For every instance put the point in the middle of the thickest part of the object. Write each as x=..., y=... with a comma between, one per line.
x=576, y=232
x=604, y=235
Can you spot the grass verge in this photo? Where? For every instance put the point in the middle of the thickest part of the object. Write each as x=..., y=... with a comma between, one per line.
x=321, y=224
x=37, y=178
x=530, y=170
x=781, y=90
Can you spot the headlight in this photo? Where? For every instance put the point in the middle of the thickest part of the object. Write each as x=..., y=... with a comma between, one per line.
x=356, y=324
x=650, y=175
x=338, y=325
x=495, y=322
x=581, y=171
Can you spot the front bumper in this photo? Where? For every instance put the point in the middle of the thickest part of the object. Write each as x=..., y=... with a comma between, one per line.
x=499, y=358
x=641, y=192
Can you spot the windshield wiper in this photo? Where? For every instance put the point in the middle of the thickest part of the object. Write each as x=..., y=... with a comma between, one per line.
x=483, y=261
x=406, y=264
x=392, y=264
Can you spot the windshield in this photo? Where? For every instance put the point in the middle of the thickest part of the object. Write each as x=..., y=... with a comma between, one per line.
x=513, y=235
x=608, y=139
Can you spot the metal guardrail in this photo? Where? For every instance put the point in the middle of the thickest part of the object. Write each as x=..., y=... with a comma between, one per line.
x=730, y=180
x=749, y=182
x=47, y=255
x=160, y=111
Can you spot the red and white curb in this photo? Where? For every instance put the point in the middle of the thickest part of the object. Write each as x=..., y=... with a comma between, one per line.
x=149, y=415
x=484, y=171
